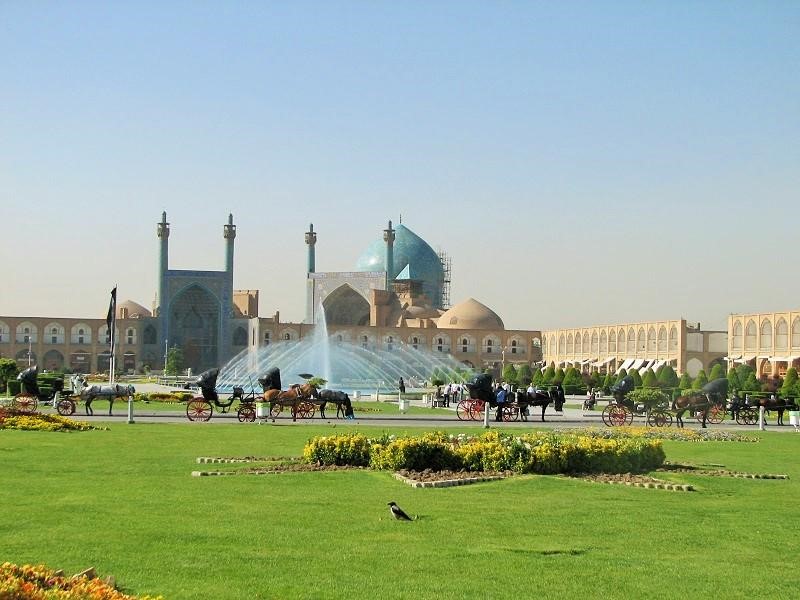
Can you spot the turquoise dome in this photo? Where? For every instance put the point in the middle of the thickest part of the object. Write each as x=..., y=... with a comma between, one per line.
x=413, y=257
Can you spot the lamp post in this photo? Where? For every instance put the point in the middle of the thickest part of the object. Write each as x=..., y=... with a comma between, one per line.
x=30, y=349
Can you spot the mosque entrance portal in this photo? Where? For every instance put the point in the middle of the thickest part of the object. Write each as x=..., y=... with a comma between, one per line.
x=193, y=326
x=345, y=306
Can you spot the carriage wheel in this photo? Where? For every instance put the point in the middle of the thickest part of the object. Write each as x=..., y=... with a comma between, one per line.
x=607, y=414
x=25, y=403
x=199, y=409
x=659, y=418
x=716, y=414
x=275, y=410
x=749, y=416
x=306, y=410
x=618, y=416
x=509, y=413
x=66, y=407
x=463, y=410
x=476, y=409
x=246, y=413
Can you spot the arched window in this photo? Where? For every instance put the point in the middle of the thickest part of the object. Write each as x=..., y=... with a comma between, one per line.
x=737, y=335
x=464, y=344
x=641, y=339
x=364, y=341
x=513, y=346
x=796, y=333
x=673, y=338
x=750, y=336
x=570, y=345
x=561, y=344
x=389, y=343
x=267, y=338
x=662, y=339
x=595, y=343
x=766, y=334
x=578, y=343
x=603, y=342
x=782, y=334
x=585, y=347
x=631, y=346
x=651, y=339
x=415, y=342
x=612, y=342
x=287, y=336
x=130, y=336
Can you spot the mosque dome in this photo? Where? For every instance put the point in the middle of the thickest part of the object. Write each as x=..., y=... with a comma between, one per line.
x=470, y=314
x=131, y=310
x=413, y=259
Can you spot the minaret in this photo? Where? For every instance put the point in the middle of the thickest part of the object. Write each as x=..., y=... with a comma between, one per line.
x=163, y=262
x=388, y=237
x=311, y=241
x=229, y=233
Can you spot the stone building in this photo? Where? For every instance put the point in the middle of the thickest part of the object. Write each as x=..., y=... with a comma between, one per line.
x=650, y=344
x=768, y=342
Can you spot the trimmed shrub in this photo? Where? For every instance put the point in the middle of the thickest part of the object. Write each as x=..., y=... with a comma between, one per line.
x=431, y=451
x=351, y=449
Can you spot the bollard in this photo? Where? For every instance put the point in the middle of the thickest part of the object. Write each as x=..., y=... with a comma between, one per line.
x=130, y=410
x=486, y=415
x=761, y=419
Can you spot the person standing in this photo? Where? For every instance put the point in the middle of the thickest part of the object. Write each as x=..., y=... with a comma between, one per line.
x=794, y=414
x=402, y=385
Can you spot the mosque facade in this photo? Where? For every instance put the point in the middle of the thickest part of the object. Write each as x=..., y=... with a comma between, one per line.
x=396, y=294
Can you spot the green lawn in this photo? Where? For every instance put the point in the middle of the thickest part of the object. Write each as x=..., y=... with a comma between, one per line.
x=124, y=502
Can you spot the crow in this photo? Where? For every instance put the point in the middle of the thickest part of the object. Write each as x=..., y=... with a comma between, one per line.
x=398, y=513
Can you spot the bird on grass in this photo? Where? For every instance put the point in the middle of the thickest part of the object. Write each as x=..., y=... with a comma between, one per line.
x=398, y=512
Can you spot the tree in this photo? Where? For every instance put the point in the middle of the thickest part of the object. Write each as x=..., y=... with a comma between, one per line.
x=174, y=365
x=717, y=372
x=608, y=382
x=621, y=375
x=8, y=370
x=660, y=370
x=789, y=388
x=524, y=374
x=559, y=376
x=751, y=384
x=686, y=381
x=510, y=374
x=667, y=377
x=538, y=377
x=743, y=372
x=700, y=380
x=572, y=382
x=649, y=380
x=549, y=373
x=734, y=385
x=637, y=379
x=596, y=380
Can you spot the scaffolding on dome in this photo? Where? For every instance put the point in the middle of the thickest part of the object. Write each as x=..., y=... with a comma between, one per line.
x=447, y=265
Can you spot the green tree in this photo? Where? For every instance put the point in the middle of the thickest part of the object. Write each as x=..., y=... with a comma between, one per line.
x=743, y=372
x=637, y=379
x=510, y=374
x=717, y=372
x=538, y=377
x=700, y=380
x=596, y=380
x=549, y=373
x=621, y=375
x=524, y=374
x=608, y=382
x=8, y=370
x=789, y=388
x=751, y=384
x=174, y=365
x=686, y=381
x=734, y=385
x=572, y=382
x=649, y=380
x=667, y=377
x=559, y=376
x=660, y=370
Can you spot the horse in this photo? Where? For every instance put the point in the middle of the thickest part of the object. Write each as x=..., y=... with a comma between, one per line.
x=292, y=397
x=775, y=403
x=713, y=393
x=541, y=398
x=341, y=399
x=108, y=392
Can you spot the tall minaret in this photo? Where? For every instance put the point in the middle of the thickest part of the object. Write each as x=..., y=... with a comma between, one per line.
x=311, y=241
x=229, y=233
x=388, y=237
x=163, y=263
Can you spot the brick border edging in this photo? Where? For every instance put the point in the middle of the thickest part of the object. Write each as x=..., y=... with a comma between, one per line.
x=674, y=487
x=445, y=482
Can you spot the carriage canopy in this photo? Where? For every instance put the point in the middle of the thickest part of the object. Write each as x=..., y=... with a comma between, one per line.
x=717, y=387
x=271, y=379
x=207, y=382
x=28, y=379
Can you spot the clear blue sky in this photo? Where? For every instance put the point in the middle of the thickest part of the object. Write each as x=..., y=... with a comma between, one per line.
x=582, y=163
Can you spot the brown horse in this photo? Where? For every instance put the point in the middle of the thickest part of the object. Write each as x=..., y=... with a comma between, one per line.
x=292, y=397
x=697, y=403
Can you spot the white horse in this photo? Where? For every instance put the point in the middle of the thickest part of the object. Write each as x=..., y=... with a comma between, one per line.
x=108, y=392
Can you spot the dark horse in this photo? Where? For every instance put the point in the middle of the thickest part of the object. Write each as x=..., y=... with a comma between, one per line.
x=777, y=404
x=713, y=393
x=541, y=398
x=342, y=401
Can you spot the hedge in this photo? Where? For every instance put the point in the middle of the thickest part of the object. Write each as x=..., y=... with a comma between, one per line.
x=537, y=452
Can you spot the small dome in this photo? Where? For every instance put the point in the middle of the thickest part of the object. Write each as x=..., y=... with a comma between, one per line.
x=132, y=310
x=470, y=314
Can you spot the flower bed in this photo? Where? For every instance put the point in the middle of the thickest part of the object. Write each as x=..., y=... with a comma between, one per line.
x=40, y=583
x=14, y=419
x=538, y=452
x=657, y=433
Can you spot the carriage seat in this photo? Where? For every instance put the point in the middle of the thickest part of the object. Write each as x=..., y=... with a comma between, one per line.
x=238, y=392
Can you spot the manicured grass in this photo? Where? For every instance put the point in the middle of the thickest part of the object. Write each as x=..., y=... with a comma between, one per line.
x=123, y=501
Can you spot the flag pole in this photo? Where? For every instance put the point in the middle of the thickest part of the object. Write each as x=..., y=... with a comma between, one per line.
x=111, y=321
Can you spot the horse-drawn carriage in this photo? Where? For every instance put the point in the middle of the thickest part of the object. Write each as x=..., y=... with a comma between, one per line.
x=301, y=399
x=31, y=394
x=708, y=406
x=510, y=406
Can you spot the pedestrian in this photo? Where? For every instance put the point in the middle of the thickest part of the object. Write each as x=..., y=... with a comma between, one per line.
x=447, y=391
x=402, y=385
x=794, y=414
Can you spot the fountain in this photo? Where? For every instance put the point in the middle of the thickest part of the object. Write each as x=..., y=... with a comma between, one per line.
x=343, y=365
